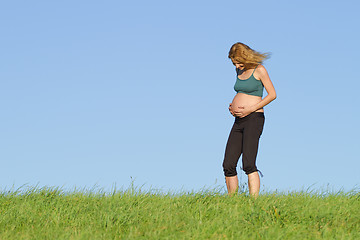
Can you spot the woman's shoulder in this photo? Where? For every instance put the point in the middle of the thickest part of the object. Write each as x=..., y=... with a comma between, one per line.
x=260, y=72
x=261, y=69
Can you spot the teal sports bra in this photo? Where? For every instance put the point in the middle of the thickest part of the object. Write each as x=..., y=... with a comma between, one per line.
x=250, y=86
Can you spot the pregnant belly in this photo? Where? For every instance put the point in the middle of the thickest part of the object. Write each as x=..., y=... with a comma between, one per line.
x=242, y=100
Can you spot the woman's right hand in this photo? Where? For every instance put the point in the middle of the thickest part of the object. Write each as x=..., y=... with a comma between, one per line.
x=231, y=110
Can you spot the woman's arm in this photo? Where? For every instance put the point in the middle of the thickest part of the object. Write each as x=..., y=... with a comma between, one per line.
x=265, y=79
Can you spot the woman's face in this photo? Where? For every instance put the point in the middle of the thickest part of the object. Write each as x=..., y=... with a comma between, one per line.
x=238, y=65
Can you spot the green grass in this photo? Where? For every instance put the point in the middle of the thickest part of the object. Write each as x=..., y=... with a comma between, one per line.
x=51, y=213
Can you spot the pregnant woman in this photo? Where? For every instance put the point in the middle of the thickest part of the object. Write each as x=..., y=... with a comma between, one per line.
x=247, y=108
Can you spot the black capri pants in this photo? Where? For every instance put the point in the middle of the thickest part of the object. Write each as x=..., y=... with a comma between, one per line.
x=243, y=139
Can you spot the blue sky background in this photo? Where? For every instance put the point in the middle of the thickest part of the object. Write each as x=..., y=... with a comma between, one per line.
x=106, y=92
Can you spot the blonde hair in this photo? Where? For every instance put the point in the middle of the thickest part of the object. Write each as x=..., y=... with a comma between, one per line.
x=242, y=53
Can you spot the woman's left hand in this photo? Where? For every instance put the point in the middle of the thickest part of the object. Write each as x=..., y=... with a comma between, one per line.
x=242, y=111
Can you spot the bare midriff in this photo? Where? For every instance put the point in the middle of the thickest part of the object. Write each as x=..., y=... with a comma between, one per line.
x=245, y=100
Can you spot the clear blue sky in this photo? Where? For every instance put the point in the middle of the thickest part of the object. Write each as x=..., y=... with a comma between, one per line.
x=102, y=92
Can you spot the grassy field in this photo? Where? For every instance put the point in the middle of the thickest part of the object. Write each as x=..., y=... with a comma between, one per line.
x=51, y=213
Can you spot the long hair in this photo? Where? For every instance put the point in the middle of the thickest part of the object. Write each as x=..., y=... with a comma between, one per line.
x=242, y=53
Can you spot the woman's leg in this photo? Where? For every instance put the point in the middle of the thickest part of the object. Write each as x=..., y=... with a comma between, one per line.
x=254, y=184
x=232, y=154
x=252, y=132
x=232, y=184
